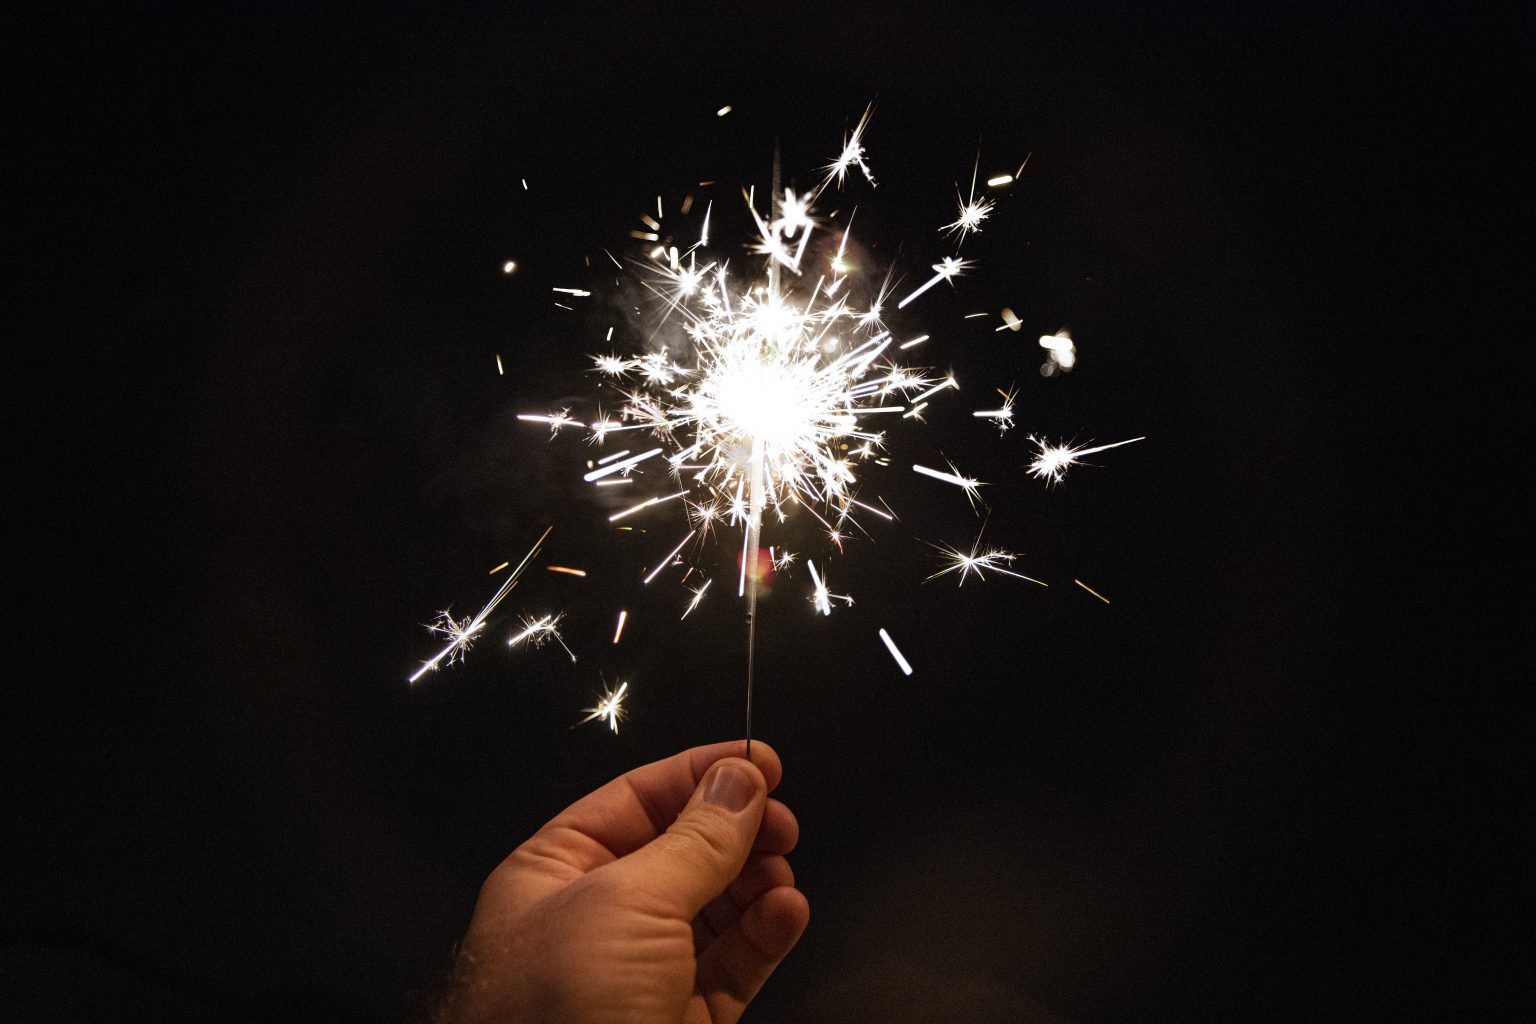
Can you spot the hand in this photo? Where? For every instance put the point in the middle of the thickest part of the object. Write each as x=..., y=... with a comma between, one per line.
x=661, y=898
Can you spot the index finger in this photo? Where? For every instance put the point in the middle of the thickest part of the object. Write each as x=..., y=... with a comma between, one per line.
x=625, y=814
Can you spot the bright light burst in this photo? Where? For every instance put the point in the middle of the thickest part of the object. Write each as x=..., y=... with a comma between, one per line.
x=460, y=633
x=1053, y=461
x=538, y=632
x=852, y=155
x=1003, y=415
x=977, y=562
x=610, y=708
x=765, y=390
x=972, y=211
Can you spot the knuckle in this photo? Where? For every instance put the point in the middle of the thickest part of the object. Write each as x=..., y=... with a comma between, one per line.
x=705, y=838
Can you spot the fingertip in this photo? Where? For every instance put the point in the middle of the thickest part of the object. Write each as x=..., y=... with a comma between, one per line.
x=764, y=758
x=767, y=761
x=780, y=829
x=777, y=919
x=734, y=784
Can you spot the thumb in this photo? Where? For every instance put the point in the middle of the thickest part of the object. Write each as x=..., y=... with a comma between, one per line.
x=704, y=849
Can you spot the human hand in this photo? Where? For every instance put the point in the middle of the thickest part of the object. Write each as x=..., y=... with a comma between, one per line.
x=661, y=898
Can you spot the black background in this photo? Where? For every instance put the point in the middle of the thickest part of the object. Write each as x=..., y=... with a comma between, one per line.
x=261, y=437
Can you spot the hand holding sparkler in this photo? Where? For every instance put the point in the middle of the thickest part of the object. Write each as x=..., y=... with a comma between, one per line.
x=664, y=896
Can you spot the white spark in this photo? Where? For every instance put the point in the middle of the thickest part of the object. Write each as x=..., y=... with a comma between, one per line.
x=668, y=560
x=554, y=420
x=623, y=466
x=978, y=562
x=610, y=708
x=463, y=633
x=698, y=595
x=970, y=485
x=537, y=632
x=852, y=155
x=1060, y=351
x=972, y=210
x=890, y=645
x=1003, y=415
x=945, y=269
x=1054, y=460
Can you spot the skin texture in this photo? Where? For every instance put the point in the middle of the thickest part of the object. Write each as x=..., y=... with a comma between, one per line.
x=661, y=898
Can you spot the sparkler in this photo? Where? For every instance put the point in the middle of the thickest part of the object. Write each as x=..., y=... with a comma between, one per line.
x=761, y=392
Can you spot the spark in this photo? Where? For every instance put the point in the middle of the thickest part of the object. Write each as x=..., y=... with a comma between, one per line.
x=620, y=467
x=978, y=562
x=618, y=630
x=462, y=633
x=821, y=598
x=1054, y=460
x=947, y=382
x=509, y=267
x=499, y=368
x=1061, y=353
x=537, y=632
x=853, y=155
x=972, y=210
x=1003, y=415
x=698, y=595
x=566, y=569
x=972, y=213
x=915, y=341
x=890, y=645
x=945, y=269
x=498, y=569
x=1090, y=590
x=647, y=503
x=970, y=485
x=610, y=708
x=723, y=110
x=999, y=180
x=668, y=560
x=555, y=420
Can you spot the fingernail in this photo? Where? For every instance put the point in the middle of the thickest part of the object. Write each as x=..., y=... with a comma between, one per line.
x=731, y=788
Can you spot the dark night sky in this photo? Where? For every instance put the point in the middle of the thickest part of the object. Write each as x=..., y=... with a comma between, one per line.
x=259, y=303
